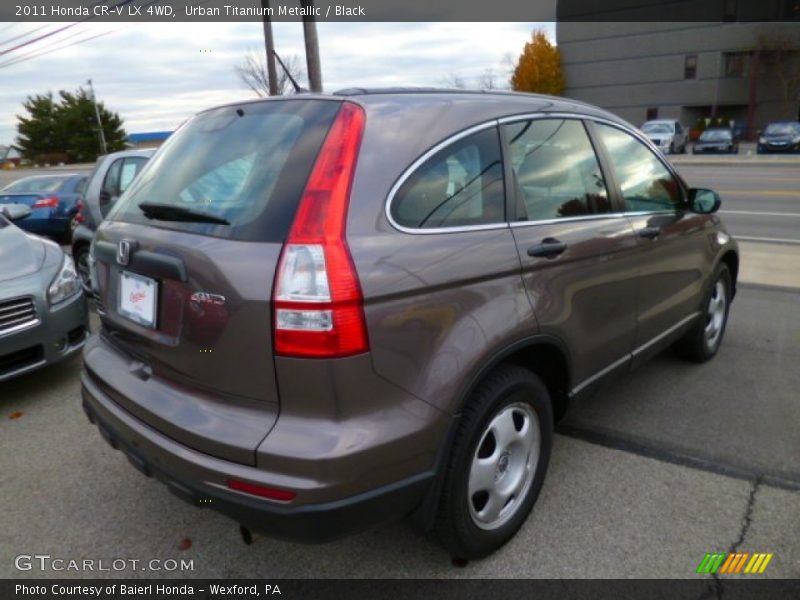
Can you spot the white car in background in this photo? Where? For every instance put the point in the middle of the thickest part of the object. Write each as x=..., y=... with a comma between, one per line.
x=668, y=134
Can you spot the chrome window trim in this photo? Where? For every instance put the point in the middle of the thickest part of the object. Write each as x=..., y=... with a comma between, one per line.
x=503, y=121
x=418, y=163
x=630, y=355
x=597, y=217
x=621, y=126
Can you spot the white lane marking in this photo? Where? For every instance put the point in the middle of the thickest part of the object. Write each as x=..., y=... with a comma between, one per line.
x=744, y=238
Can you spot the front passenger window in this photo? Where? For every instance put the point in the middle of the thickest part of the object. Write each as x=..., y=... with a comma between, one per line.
x=555, y=169
x=646, y=184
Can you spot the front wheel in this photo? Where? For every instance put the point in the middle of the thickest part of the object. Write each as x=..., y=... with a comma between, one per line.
x=703, y=340
x=497, y=463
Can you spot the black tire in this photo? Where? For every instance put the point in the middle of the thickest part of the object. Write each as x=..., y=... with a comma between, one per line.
x=507, y=389
x=671, y=148
x=695, y=344
x=80, y=255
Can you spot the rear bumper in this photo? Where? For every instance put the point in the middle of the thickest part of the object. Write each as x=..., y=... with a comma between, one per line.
x=308, y=523
x=45, y=223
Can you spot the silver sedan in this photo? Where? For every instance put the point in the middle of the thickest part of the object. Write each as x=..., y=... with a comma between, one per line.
x=43, y=312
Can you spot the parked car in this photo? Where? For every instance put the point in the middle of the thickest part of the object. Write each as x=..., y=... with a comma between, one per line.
x=53, y=200
x=780, y=137
x=43, y=314
x=716, y=140
x=314, y=324
x=112, y=175
x=668, y=134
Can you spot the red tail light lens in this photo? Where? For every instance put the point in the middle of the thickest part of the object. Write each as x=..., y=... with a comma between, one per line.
x=79, y=218
x=50, y=202
x=260, y=490
x=318, y=302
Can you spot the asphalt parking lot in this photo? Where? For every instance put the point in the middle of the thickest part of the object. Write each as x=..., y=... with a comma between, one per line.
x=663, y=466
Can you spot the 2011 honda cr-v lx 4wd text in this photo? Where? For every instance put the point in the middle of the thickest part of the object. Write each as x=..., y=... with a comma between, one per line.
x=322, y=312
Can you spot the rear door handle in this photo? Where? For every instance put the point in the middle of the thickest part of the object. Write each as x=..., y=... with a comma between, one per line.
x=549, y=248
x=650, y=233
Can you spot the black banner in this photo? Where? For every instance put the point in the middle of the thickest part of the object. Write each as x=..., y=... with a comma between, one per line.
x=362, y=589
x=399, y=10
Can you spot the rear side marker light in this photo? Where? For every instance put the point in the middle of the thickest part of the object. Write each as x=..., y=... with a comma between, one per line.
x=318, y=301
x=260, y=490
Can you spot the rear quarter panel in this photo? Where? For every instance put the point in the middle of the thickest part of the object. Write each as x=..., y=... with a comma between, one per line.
x=438, y=306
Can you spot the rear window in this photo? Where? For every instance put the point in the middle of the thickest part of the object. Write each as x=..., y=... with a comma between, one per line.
x=245, y=164
x=36, y=185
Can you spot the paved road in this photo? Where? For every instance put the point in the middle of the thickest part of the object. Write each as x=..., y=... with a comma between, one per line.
x=607, y=508
x=757, y=202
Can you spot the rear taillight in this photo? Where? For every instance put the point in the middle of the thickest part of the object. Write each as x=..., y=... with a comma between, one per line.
x=318, y=302
x=79, y=218
x=50, y=202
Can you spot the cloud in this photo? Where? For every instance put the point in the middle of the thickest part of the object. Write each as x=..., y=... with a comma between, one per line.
x=157, y=74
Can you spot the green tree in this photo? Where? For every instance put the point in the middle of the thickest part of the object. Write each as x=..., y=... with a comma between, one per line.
x=538, y=68
x=67, y=128
x=37, y=133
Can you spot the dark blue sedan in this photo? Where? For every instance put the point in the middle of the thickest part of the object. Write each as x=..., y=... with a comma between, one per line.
x=54, y=200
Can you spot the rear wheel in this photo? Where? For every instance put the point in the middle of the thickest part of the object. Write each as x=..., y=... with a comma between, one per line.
x=703, y=340
x=497, y=463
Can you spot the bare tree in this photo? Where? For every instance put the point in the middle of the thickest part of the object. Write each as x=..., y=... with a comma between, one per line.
x=454, y=81
x=488, y=80
x=781, y=52
x=253, y=72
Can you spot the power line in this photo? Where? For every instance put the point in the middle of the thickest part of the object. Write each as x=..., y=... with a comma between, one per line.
x=22, y=35
x=19, y=60
x=50, y=45
x=64, y=28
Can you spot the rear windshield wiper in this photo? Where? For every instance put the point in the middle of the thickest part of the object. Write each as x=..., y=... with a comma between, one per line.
x=168, y=212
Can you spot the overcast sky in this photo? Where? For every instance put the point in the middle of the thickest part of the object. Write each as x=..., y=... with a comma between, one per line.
x=155, y=75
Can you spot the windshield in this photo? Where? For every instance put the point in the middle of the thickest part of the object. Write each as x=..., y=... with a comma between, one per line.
x=656, y=128
x=36, y=185
x=781, y=129
x=715, y=135
x=243, y=168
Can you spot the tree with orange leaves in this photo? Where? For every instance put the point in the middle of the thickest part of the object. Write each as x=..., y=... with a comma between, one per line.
x=539, y=67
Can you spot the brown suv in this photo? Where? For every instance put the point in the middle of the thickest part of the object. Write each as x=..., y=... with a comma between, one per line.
x=324, y=312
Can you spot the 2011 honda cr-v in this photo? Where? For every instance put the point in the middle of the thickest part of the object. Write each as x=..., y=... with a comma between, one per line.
x=325, y=312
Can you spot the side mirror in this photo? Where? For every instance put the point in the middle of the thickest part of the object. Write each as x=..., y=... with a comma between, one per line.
x=105, y=198
x=704, y=202
x=14, y=212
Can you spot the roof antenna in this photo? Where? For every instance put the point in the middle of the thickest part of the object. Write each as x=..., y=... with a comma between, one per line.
x=297, y=88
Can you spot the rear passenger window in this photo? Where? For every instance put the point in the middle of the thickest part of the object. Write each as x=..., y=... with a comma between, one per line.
x=556, y=171
x=461, y=185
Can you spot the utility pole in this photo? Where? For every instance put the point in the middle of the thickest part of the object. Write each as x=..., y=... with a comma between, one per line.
x=269, y=41
x=312, y=46
x=99, y=122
